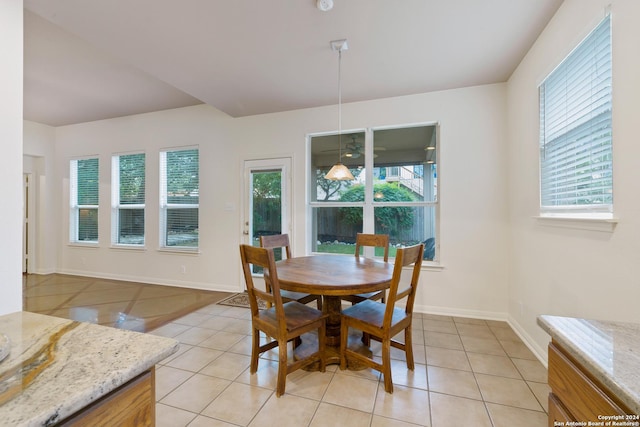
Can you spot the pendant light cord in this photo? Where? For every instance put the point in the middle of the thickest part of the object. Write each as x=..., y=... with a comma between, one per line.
x=340, y=104
x=339, y=172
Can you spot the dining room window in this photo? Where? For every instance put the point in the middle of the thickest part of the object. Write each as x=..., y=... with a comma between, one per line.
x=179, y=198
x=128, y=199
x=84, y=198
x=576, y=155
x=394, y=190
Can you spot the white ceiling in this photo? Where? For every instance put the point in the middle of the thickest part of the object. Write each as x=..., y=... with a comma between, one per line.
x=91, y=60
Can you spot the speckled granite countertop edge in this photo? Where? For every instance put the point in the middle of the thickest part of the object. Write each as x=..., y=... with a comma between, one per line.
x=609, y=350
x=57, y=366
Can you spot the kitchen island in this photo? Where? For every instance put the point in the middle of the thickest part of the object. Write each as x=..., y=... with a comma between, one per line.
x=594, y=372
x=62, y=372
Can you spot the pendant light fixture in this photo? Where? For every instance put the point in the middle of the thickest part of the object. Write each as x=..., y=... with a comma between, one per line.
x=339, y=172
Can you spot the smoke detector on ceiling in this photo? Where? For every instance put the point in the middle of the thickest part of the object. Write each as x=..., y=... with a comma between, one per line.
x=324, y=5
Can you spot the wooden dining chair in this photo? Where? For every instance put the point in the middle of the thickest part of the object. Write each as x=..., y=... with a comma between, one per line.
x=376, y=241
x=381, y=322
x=283, y=322
x=282, y=241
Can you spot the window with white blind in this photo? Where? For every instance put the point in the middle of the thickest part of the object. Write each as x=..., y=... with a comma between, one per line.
x=576, y=171
x=179, y=198
x=83, y=200
x=127, y=199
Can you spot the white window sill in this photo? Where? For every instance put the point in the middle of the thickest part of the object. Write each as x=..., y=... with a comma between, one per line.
x=128, y=247
x=84, y=244
x=589, y=223
x=426, y=265
x=431, y=266
x=181, y=251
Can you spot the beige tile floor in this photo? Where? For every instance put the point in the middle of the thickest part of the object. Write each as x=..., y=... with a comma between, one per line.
x=469, y=372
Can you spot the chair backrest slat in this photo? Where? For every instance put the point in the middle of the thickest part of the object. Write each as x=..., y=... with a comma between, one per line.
x=404, y=257
x=262, y=257
x=375, y=240
x=277, y=241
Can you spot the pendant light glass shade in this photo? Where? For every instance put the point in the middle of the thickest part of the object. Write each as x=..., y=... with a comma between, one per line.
x=339, y=172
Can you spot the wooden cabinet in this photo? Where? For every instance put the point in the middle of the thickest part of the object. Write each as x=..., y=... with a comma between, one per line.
x=575, y=394
x=557, y=411
x=130, y=405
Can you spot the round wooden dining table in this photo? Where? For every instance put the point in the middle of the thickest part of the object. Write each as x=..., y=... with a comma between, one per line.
x=333, y=276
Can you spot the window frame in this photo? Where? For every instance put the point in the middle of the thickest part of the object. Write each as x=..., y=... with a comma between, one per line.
x=75, y=207
x=117, y=206
x=369, y=204
x=165, y=206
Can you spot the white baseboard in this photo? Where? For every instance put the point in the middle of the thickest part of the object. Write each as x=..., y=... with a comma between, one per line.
x=43, y=271
x=460, y=312
x=540, y=353
x=154, y=281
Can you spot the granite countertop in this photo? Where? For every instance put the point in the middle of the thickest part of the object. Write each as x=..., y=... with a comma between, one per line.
x=609, y=350
x=58, y=366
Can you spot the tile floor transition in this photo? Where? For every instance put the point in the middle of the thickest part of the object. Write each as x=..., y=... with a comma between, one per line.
x=125, y=305
x=468, y=371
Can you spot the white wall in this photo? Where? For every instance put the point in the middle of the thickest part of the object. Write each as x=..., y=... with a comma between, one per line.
x=471, y=184
x=39, y=162
x=11, y=159
x=563, y=271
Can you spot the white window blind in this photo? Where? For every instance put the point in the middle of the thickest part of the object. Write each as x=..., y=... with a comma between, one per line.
x=576, y=170
x=84, y=200
x=179, y=198
x=128, y=199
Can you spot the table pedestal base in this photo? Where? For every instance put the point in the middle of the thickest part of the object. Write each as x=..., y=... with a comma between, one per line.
x=332, y=353
x=332, y=307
